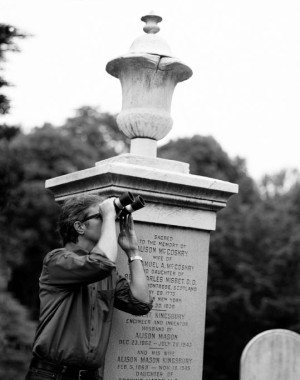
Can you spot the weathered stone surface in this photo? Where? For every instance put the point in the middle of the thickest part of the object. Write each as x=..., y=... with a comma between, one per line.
x=168, y=342
x=148, y=82
x=272, y=355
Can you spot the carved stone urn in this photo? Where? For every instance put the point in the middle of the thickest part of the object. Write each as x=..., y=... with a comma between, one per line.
x=148, y=74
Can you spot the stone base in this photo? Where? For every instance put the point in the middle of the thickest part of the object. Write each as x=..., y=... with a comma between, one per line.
x=173, y=231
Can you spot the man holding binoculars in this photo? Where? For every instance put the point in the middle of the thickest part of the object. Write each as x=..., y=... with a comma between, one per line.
x=79, y=287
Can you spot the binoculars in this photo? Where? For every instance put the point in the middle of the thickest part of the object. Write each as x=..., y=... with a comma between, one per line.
x=127, y=204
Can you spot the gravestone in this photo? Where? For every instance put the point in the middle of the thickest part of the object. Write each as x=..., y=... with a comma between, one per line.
x=173, y=229
x=272, y=355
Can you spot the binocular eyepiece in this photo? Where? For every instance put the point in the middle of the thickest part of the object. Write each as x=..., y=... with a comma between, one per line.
x=127, y=204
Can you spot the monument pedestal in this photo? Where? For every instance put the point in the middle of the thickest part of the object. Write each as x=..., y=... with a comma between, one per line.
x=173, y=231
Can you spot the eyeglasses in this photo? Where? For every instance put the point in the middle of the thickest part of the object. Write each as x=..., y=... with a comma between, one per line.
x=93, y=216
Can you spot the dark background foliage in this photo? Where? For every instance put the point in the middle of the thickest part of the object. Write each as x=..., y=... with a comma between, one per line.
x=253, y=282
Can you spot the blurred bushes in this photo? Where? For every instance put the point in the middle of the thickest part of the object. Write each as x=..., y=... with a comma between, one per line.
x=254, y=264
x=16, y=333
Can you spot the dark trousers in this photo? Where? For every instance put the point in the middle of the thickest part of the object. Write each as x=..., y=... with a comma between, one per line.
x=40, y=370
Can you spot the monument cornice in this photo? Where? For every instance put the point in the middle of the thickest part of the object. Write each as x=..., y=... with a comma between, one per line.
x=166, y=188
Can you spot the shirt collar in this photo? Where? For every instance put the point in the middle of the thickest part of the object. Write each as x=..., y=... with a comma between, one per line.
x=76, y=249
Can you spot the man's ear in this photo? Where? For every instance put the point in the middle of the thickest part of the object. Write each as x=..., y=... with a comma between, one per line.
x=79, y=227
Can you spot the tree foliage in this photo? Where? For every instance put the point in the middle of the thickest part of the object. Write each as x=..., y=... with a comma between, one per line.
x=8, y=36
x=16, y=329
x=254, y=260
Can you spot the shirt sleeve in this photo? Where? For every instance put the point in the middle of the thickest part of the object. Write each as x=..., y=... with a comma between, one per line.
x=67, y=268
x=125, y=301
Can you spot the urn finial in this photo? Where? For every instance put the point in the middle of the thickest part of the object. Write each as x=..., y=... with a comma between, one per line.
x=151, y=21
x=148, y=74
x=151, y=42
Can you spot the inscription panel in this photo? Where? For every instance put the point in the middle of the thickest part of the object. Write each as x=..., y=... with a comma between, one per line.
x=167, y=343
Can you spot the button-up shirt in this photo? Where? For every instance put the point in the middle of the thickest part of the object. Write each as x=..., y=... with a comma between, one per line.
x=78, y=291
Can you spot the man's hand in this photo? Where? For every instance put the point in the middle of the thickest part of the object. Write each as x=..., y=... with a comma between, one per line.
x=107, y=208
x=129, y=243
x=127, y=237
x=107, y=242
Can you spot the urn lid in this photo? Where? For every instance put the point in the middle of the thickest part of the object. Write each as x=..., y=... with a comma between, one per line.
x=147, y=50
x=151, y=42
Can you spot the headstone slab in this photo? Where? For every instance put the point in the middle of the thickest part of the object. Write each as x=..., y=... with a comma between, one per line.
x=272, y=355
x=167, y=343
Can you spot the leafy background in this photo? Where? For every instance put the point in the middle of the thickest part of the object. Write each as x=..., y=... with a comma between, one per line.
x=253, y=282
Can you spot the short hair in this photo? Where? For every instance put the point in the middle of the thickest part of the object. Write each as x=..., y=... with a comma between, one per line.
x=74, y=209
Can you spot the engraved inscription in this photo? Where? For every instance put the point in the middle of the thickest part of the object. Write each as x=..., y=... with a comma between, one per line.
x=161, y=343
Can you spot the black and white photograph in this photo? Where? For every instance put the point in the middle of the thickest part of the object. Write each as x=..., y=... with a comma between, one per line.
x=149, y=190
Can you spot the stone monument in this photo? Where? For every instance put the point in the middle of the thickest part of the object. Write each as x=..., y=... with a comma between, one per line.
x=272, y=355
x=173, y=229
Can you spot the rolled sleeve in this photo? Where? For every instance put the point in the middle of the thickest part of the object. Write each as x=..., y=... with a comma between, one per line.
x=64, y=267
x=125, y=301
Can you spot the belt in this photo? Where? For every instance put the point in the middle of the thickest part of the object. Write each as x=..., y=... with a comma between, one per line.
x=65, y=371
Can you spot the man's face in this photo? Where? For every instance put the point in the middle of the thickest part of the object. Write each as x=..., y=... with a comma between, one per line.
x=93, y=225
